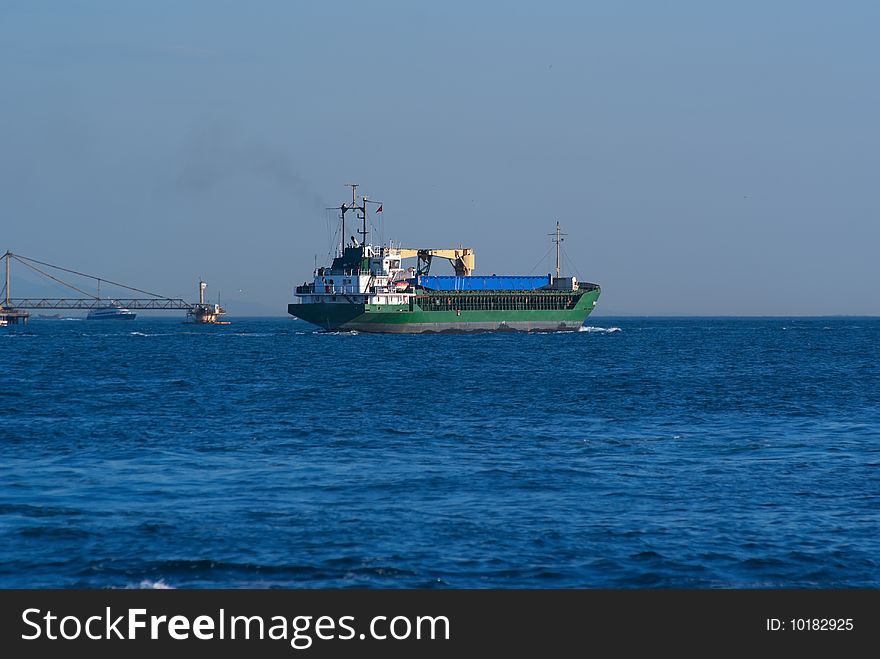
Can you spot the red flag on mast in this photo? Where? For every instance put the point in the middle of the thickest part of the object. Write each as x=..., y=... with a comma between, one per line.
x=379, y=210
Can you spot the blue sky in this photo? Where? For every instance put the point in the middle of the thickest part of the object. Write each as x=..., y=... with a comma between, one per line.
x=704, y=158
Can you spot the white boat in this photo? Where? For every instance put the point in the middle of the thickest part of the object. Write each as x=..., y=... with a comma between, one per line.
x=112, y=312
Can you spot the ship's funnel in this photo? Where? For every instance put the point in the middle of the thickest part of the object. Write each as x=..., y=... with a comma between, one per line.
x=202, y=287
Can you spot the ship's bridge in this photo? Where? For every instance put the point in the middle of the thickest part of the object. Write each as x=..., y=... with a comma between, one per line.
x=364, y=260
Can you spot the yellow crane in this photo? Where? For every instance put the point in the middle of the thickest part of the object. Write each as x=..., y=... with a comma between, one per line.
x=462, y=259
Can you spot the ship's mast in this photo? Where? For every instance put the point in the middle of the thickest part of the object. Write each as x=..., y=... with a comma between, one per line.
x=363, y=216
x=557, y=238
x=363, y=231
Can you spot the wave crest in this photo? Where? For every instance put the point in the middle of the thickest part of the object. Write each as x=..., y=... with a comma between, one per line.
x=599, y=330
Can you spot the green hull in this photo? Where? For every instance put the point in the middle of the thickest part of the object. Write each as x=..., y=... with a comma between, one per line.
x=412, y=318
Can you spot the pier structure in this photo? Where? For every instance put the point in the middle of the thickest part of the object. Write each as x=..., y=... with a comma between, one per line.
x=205, y=313
x=15, y=310
x=10, y=314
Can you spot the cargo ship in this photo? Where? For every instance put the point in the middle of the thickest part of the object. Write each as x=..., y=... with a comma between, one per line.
x=368, y=289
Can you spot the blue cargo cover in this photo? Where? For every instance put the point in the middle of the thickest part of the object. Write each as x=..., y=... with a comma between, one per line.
x=493, y=283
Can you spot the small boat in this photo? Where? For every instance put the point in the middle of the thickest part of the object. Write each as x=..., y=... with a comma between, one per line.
x=112, y=312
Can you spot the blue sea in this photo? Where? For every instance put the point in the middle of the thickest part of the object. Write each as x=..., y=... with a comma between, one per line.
x=639, y=453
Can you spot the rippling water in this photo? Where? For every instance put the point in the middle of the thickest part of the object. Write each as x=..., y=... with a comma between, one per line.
x=642, y=453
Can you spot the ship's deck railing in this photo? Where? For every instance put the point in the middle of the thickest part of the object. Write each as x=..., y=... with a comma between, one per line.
x=498, y=301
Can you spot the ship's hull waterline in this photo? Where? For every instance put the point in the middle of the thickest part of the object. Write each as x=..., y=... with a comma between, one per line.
x=403, y=319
